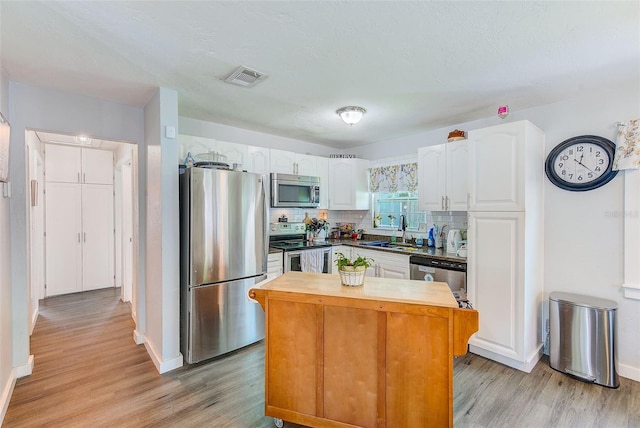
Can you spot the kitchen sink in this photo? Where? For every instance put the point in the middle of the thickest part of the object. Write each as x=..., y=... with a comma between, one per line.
x=385, y=244
x=390, y=245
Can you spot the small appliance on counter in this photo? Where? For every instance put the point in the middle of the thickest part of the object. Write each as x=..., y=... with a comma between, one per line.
x=454, y=238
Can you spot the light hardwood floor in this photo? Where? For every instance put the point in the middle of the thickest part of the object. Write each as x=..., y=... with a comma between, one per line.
x=88, y=372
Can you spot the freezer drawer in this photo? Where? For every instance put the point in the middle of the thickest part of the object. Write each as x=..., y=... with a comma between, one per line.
x=220, y=318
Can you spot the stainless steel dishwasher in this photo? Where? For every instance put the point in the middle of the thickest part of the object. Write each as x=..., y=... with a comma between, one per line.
x=454, y=273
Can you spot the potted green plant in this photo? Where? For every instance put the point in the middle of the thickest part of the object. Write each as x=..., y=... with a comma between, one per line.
x=352, y=272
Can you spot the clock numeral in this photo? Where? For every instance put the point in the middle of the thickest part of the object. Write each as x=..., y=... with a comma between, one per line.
x=561, y=164
x=565, y=157
x=579, y=178
x=590, y=175
x=570, y=176
x=598, y=153
x=600, y=161
x=580, y=149
x=598, y=168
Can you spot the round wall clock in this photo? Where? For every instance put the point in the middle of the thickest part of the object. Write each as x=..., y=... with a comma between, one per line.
x=581, y=163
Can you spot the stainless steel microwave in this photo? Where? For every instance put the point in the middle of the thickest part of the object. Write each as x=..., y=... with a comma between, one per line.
x=294, y=191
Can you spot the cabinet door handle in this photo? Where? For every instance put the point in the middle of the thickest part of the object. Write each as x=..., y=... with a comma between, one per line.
x=78, y=237
x=447, y=203
x=85, y=237
x=78, y=177
x=442, y=203
x=468, y=200
x=84, y=177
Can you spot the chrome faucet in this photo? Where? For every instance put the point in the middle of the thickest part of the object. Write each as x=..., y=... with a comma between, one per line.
x=403, y=227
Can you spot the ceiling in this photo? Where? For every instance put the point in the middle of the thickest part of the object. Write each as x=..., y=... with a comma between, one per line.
x=414, y=65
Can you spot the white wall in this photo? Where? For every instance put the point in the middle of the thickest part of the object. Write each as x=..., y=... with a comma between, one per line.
x=199, y=128
x=7, y=374
x=583, y=230
x=162, y=335
x=37, y=108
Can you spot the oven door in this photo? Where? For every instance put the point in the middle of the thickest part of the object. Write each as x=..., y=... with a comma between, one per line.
x=292, y=260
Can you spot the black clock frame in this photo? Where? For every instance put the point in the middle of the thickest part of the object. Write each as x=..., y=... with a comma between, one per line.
x=606, y=145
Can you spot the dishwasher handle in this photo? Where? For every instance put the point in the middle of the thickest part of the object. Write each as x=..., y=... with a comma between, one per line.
x=438, y=263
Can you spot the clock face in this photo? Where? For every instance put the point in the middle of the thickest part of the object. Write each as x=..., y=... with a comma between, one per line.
x=581, y=163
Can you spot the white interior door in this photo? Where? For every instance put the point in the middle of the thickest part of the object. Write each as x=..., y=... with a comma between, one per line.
x=127, y=232
x=63, y=235
x=98, y=236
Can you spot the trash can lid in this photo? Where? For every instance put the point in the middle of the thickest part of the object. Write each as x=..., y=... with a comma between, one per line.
x=582, y=300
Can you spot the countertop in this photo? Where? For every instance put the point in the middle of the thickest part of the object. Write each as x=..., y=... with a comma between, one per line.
x=431, y=252
x=378, y=289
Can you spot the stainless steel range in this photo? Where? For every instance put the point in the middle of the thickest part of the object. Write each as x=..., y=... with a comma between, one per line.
x=299, y=254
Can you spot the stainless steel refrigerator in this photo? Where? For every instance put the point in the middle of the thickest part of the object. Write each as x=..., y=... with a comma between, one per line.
x=223, y=253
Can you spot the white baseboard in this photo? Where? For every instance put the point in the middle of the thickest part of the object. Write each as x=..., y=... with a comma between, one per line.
x=26, y=369
x=138, y=337
x=525, y=366
x=7, y=391
x=629, y=372
x=163, y=366
x=34, y=319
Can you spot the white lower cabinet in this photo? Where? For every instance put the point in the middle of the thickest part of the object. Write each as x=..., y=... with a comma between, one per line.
x=385, y=265
x=505, y=287
x=275, y=265
x=392, y=265
x=334, y=251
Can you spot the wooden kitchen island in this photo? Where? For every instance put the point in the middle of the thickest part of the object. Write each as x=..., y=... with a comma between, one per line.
x=380, y=355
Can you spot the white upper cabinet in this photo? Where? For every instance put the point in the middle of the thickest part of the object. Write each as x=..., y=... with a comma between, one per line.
x=293, y=163
x=432, y=170
x=501, y=166
x=68, y=164
x=442, y=182
x=348, y=184
x=234, y=153
x=62, y=164
x=258, y=160
x=322, y=171
x=457, y=176
x=306, y=165
x=97, y=166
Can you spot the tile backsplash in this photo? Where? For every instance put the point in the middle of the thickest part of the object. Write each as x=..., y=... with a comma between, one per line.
x=363, y=220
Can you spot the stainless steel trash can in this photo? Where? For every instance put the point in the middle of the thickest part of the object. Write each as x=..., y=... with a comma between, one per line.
x=582, y=337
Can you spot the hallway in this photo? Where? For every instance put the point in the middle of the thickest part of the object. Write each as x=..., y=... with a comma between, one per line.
x=89, y=372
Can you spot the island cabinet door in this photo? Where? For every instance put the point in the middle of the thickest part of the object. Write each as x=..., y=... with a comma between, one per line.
x=418, y=371
x=351, y=366
x=294, y=348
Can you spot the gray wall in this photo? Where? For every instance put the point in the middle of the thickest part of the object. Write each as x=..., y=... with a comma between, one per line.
x=6, y=325
x=43, y=109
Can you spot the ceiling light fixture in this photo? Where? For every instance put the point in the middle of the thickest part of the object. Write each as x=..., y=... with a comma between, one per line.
x=83, y=140
x=351, y=114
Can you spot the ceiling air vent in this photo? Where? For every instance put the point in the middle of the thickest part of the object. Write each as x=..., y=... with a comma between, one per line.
x=245, y=76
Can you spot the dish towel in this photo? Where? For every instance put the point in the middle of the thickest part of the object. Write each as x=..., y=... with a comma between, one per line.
x=312, y=261
x=627, y=146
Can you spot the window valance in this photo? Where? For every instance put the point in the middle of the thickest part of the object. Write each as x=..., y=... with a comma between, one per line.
x=394, y=178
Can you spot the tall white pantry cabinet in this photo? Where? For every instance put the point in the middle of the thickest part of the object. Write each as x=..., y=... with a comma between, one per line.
x=505, y=239
x=79, y=220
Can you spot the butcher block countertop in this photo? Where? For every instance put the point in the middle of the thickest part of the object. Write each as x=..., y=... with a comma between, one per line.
x=375, y=356
x=379, y=289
